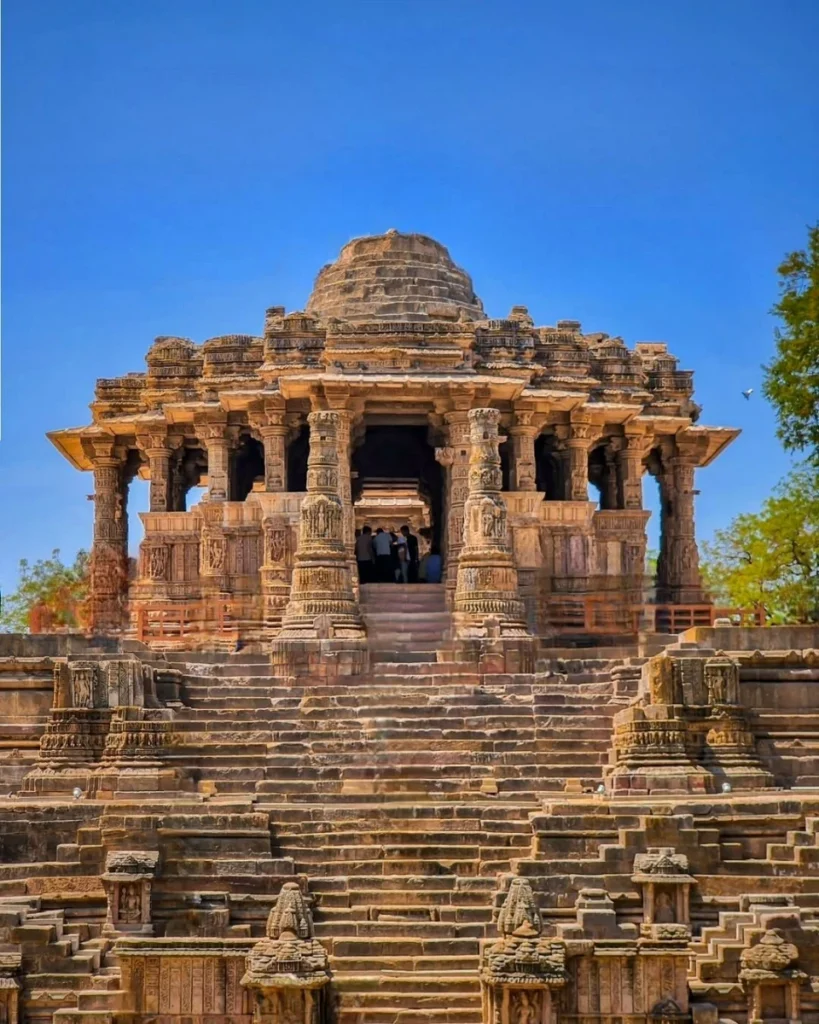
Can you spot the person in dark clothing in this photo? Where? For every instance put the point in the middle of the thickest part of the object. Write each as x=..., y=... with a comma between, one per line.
x=395, y=558
x=382, y=545
x=412, y=553
x=365, y=555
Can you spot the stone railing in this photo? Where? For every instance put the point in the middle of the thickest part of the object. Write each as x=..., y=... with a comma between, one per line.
x=175, y=622
x=603, y=614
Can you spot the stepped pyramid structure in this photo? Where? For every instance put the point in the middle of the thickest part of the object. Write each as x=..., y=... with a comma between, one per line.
x=261, y=790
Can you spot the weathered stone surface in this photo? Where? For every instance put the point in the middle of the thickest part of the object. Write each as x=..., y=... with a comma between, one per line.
x=394, y=277
x=273, y=793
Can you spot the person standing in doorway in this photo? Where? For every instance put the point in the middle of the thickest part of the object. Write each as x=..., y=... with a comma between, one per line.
x=399, y=556
x=365, y=555
x=433, y=566
x=412, y=554
x=401, y=563
x=382, y=545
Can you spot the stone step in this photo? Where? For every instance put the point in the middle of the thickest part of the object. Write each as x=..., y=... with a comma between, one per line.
x=411, y=965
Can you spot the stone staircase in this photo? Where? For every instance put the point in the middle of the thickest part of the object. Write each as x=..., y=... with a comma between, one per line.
x=406, y=619
x=401, y=796
x=404, y=896
x=66, y=964
x=716, y=952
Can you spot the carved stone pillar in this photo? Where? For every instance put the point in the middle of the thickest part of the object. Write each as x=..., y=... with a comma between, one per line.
x=630, y=468
x=610, y=490
x=274, y=439
x=158, y=450
x=345, y=488
x=455, y=459
x=487, y=601
x=271, y=427
x=577, y=461
x=523, y=435
x=322, y=603
x=678, y=567
x=213, y=433
x=109, y=554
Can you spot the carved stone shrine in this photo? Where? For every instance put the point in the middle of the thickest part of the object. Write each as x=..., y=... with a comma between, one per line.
x=271, y=786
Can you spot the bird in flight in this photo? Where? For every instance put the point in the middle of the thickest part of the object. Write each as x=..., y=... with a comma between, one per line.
x=747, y=394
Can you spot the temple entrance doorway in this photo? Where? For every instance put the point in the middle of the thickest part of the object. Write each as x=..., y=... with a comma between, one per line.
x=396, y=480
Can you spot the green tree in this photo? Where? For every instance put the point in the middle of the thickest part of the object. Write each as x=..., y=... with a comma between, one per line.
x=49, y=582
x=791, y=381
x=770, y=558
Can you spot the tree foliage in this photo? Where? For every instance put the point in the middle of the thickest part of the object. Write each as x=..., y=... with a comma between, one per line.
x=791, y=380
x=49, y=583
x=771, y=558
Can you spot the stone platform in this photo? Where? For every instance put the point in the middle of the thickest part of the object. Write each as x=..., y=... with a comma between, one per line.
x=403, y=803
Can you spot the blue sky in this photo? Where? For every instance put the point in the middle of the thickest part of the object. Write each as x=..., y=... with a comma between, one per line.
x=176, y=167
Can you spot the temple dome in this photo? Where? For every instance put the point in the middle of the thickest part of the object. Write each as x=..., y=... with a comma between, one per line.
x=394, y=277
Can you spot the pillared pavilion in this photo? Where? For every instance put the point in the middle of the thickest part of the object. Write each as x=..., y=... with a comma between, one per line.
x=396, y=345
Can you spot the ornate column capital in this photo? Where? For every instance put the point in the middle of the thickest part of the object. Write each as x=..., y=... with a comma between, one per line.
x=102, y=450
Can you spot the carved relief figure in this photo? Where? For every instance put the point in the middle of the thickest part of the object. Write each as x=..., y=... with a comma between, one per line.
x=215, y=553
x=82, y=680
x=664, y=908
x=158, y=562
x=130, y=903
x=275, y=543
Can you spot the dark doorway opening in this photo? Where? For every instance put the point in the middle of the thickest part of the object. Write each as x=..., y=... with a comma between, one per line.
x=399, y=458
x=246, y=467
x=297, y=452
x=189, y=465
x=549, y=475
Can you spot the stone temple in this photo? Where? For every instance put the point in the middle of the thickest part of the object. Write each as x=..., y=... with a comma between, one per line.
x=543, y=790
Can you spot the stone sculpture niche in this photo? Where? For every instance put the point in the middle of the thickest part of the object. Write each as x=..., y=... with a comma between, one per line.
x=10, y=986
x=128, y=877
x=521, y=970
x=288, y=970
x=772, y=979
x=662, y=875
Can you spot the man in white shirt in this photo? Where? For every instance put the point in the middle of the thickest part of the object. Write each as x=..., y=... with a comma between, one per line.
x=382, y=545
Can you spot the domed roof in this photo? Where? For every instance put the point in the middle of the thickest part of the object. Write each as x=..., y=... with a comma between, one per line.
x=394, y=277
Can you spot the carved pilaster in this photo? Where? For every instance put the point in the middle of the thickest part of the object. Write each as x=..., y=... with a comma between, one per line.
x=487, y=601
x=322, y=602
x=455, y=459
x=213, y=552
